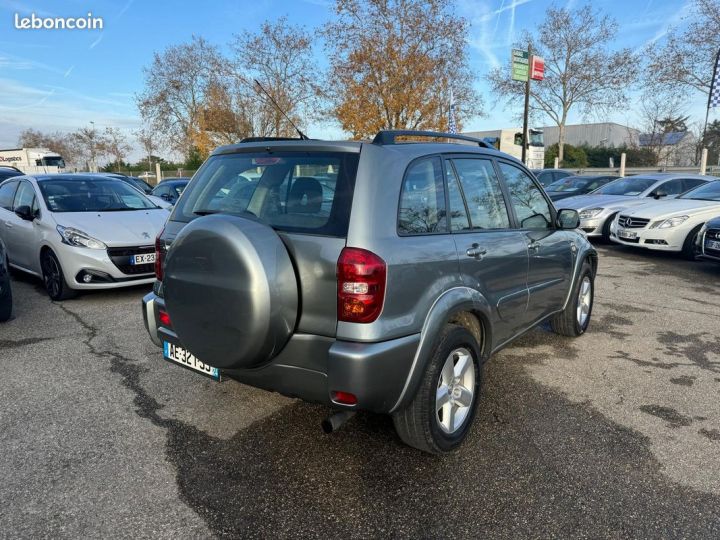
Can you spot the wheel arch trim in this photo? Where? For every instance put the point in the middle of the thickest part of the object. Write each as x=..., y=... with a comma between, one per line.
x=443, y=309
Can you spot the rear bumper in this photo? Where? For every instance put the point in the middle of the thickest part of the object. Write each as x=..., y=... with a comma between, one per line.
x=311, y=367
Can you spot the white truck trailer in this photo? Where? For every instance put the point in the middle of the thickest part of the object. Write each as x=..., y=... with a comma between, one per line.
x=510, y=142
x=33, y=160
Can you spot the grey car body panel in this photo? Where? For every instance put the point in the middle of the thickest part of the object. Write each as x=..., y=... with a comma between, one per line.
x=430, y=279
x=315, y=259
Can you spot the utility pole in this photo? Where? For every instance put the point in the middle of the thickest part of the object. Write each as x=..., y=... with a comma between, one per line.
x=525, y=145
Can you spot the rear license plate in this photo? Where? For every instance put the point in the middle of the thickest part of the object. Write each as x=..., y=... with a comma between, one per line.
x=627, y=234
x=712, y=244
x=185, y=358
x=145, y=258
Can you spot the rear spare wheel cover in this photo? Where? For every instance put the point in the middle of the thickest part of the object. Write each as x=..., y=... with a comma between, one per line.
x=230, y=290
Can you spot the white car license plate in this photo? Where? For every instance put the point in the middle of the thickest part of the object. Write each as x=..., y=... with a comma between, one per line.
x=145, y=258
x=712, y=244
x=627, y=234
x=185, y=358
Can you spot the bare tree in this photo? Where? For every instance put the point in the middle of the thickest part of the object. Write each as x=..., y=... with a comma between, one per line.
x=685, y=62
x=580, y=69
x=56, y=141
x=280, y=56
x=659, y=114
x=91, y=145
x=114, y=144
x=393, y=63
x=176, y=85
x=149, y=144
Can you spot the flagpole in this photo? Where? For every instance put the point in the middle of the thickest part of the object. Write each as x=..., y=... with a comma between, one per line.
x=710, y=93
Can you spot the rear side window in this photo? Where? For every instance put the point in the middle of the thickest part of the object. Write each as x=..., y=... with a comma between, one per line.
x=672, y=187
x=690, y=183
x=531, y=208
x=483, y=194
x=7, y=193
x=307, y=192
x=422, y=200
x=459, y=220
x=25, y=196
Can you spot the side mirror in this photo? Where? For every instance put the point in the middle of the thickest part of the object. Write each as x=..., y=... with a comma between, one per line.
x=166, y=197
x=659, y=194
x=25, y=212
x=568, y=218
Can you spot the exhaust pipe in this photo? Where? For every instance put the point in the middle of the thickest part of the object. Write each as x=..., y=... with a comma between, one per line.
x=335, y=421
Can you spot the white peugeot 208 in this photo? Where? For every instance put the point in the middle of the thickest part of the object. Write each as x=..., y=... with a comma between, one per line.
x=79, y=231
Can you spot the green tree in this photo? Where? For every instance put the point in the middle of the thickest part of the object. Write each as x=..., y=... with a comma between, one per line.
x=574, y=157
x=712, y=142
x=194, y=159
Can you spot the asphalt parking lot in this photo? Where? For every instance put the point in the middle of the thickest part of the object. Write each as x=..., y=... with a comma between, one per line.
x=615, y=434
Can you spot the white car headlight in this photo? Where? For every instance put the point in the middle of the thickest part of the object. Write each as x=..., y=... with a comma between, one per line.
x=590, y=213
x=673, y=222
x=74, y=237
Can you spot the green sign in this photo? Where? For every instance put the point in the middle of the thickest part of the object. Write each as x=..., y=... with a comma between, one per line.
x=520, y=65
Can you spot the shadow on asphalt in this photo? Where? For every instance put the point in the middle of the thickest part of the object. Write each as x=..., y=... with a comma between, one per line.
x=535, y=465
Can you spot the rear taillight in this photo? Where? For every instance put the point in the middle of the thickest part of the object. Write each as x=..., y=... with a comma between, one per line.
x=164, y=319
x=361, y=285
x=159, y=256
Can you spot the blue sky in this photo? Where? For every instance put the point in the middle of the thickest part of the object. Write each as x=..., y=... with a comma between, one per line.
x=63, y=79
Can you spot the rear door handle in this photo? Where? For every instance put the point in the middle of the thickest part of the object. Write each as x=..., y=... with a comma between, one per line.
x=8, y=225
x=476, y=251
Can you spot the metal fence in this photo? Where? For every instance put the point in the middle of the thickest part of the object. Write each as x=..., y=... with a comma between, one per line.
x=631, y=171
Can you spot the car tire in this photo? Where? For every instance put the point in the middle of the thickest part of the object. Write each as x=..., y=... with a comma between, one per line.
x=606, y=228
x=575, y=318
x=457, y=360
x=53, y=278
x=6, y=300
x=688, y=249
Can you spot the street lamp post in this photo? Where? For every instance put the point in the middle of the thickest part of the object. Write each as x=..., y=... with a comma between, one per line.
x=92, y=148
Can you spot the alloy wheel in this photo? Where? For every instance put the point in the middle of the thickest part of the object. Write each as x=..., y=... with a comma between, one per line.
x=52, y=276
x=584, y=301
x=455, y=390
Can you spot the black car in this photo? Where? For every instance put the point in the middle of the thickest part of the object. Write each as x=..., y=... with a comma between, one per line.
x=548, y=176
x=576, y=185
x=134, y=181
x=5, y=290
x=8, y=172
x=708, y=240
x=169, y=190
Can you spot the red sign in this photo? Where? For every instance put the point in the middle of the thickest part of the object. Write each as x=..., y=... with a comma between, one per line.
x=537, y=68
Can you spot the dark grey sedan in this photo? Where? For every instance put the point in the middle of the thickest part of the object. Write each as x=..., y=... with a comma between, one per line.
x=576, y=185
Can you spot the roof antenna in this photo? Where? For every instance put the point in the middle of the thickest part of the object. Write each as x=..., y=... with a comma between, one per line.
x=302, y=135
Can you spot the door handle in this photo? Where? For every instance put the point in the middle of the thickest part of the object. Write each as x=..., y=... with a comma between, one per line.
x=8, y=225
x=533, y=246
x=476, y=251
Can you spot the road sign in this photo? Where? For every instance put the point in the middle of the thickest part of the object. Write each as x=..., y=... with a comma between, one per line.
x=520, y=65
x=537, y=68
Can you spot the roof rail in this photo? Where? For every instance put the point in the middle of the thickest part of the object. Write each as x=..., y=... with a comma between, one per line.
x=263, y=139
x=387, y=136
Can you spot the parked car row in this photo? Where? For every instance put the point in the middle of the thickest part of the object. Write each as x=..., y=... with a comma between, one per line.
x=663, y=211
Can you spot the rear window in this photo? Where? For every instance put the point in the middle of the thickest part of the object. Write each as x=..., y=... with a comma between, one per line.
x=307, y=192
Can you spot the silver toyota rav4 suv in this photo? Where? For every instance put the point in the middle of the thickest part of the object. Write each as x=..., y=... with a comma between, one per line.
x=373, y=276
